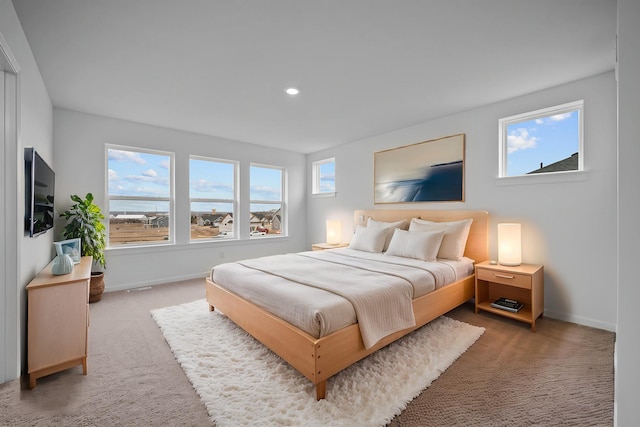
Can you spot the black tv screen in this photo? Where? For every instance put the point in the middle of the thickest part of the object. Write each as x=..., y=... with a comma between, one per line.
x=40, y=189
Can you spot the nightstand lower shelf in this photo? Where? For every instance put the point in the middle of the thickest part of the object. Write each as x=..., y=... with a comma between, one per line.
x=524, y=315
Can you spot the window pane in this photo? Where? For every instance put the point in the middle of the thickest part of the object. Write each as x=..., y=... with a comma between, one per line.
x=265, y=219
x=544, y=144
x=138, y=222
x=266, y=184
x=132, y=173
x=211, y=180
x=140, y=194
x=211, y=220
x=328, y=177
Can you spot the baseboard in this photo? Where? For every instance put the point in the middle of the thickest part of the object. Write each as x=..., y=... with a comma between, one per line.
x=584, y=321
x=146, y=283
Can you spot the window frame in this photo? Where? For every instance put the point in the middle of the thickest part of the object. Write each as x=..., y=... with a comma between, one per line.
x=235, y=202
x=316, y=178
x=282, y=202
x=171, y=199
x=505, y=122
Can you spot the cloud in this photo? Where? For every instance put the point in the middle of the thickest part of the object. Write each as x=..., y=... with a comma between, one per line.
x=560, y=117
x=265, y=193
x=126, y=156
x=520, y=139
x=205, y=186
x=165, y=164
x=113, y=175
x=150, y=173
x=163, y=181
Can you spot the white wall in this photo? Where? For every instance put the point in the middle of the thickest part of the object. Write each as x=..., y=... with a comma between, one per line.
x=79, y=142
x=627, y=377
x=34, y=130
x=569, y=226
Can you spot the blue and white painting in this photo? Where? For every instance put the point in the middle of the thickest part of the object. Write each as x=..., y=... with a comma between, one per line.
x=430, y=171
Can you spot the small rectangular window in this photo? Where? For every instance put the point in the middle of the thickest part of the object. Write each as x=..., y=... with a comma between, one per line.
x=324, y=176
x=212, y=194
x=140, y=193
x=543, y=141
x=267, y=202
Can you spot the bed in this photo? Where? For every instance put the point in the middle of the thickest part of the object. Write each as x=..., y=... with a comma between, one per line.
x=318, y=357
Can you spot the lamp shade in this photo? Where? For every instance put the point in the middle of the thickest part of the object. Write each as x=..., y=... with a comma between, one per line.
x=334, y=231
x=509, y=244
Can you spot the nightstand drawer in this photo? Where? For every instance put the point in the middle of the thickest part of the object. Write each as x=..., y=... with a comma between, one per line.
x=505, y=277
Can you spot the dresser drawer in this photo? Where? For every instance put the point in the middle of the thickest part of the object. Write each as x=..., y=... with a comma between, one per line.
x=505, y=277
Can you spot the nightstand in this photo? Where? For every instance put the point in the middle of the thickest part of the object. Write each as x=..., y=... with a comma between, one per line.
x=524, y=283
x=323, y=246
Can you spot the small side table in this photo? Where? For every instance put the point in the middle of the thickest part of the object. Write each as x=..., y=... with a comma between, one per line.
x=524, y=283
x=323, y=246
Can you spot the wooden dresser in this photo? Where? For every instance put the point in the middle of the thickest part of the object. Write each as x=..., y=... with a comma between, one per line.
x=57, y=321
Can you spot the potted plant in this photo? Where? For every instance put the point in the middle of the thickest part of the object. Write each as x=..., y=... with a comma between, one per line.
x=85, y=222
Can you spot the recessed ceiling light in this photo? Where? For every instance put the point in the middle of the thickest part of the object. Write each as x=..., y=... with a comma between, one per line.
x=292, y=90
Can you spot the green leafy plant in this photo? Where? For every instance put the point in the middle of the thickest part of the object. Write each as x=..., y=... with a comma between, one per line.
x=85, y=222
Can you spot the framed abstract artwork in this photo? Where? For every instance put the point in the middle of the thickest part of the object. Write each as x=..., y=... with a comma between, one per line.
x=429, y=171
x=71, y=247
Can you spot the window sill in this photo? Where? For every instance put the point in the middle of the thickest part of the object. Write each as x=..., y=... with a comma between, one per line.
x=192, y=245
x=323, y=195
x=547, y=178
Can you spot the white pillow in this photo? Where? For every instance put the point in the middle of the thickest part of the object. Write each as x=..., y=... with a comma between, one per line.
x=455, y=235
x=422, y=245
x=368, y=239
x=389, y=226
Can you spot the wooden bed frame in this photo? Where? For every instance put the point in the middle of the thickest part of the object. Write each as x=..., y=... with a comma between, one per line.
x=320, y=358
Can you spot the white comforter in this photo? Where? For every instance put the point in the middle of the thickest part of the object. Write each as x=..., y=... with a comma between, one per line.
x=323, y=291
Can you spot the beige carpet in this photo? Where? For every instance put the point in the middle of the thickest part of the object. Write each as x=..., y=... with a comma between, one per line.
x=560, y=375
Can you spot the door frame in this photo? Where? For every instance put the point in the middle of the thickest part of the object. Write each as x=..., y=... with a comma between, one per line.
x=10, y=226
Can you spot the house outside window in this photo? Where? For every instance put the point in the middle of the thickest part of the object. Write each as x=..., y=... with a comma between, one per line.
x=213, y=198
x=267, y=201
x=140, y=196
x=544, y=141
x=324, y=177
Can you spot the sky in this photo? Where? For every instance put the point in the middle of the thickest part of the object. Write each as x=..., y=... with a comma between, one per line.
x=544, y=140
x=328, y=177
x=148, y=175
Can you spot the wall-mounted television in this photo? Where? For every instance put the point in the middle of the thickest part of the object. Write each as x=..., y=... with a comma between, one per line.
x=39, y=191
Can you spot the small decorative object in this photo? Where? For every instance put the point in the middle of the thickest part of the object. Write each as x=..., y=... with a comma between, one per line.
x=334, y=231
x=84, y=222
x=62, y=263
x=509, y=244
x=70, y=247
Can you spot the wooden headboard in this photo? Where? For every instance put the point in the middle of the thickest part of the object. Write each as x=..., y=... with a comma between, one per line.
x=477, y=243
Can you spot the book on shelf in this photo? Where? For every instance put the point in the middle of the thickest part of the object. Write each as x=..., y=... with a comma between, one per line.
x=507, y=304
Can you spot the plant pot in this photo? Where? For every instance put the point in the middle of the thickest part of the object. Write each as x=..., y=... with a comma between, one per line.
x=96, y=286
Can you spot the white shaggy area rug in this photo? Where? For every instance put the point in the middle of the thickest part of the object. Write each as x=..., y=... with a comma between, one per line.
x=242, y=383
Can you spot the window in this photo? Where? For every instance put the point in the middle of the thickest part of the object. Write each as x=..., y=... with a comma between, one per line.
x=542, y=141
x=140, y=193
x=212, y=194
x=324, y=176
x=266, y=195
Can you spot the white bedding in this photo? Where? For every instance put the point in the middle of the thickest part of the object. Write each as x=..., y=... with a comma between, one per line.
x=316, y=301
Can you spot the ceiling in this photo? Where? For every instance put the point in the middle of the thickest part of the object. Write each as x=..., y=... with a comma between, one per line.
x=364, y=67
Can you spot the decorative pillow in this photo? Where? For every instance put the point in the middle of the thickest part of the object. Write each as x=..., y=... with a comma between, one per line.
x=455, y=235
x=368, y=239
x=389, y=226
x=422, y=245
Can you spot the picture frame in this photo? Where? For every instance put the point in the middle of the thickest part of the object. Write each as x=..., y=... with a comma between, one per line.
x=71, y=247
x=428, y=171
